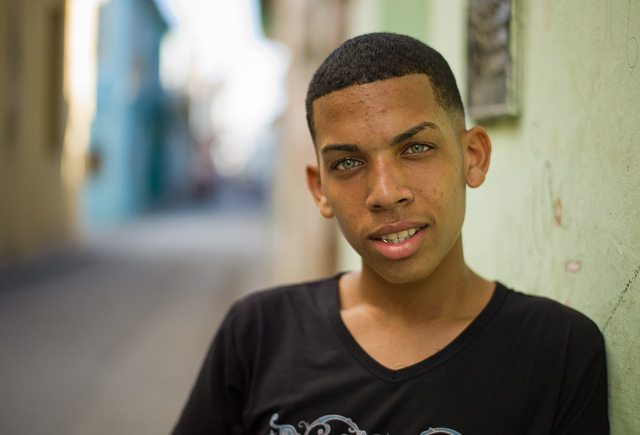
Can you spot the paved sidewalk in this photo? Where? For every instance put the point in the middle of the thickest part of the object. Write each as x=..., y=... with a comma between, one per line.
x=109, y=340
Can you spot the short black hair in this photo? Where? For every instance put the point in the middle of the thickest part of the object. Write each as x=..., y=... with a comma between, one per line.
x=380, y=56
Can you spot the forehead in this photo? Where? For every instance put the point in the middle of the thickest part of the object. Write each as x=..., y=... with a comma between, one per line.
x=382, y=108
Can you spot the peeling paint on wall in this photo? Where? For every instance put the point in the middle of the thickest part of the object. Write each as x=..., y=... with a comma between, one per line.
x=573, y=266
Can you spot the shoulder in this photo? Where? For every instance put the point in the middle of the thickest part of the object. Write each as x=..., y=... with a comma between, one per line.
x=270, y=323
x=284, y=304
x=549, y=320
x=313, y=292
x=543, y=309
x=561, y=350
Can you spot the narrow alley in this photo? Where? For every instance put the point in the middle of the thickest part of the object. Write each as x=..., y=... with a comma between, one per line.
x=109, y=340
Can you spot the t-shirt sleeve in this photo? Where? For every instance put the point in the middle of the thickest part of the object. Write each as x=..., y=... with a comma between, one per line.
x=215, y=404
x=583, y=402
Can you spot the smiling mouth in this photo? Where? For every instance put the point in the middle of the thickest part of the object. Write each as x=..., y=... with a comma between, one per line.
x=399, y=237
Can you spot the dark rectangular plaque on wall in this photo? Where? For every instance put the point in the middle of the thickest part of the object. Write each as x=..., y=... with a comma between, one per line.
x=491, y=63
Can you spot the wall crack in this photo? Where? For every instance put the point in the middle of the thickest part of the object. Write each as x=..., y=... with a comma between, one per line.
x=630, y=282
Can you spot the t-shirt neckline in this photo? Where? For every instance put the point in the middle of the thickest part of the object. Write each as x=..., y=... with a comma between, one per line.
x=429, y=363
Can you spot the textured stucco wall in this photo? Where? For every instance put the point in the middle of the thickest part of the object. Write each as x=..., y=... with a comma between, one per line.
x=559, y=214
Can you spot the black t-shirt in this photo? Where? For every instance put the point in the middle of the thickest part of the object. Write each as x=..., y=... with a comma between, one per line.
x=284, y=363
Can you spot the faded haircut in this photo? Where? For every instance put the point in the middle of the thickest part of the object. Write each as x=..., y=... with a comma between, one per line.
x=381, y=56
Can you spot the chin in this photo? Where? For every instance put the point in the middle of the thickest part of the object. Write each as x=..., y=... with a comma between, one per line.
x=403, y=274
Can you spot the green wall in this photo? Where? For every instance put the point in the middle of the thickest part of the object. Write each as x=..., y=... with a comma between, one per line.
x=559, y=214
x=406, y=17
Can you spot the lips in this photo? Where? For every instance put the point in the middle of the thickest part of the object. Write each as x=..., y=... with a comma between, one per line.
x=399, y=240
x=395, y=238
x=398, y=230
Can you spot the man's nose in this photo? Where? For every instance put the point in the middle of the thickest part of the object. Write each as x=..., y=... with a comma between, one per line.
x=387, y=187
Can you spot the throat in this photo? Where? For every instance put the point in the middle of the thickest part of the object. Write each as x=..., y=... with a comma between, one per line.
x=397, y=348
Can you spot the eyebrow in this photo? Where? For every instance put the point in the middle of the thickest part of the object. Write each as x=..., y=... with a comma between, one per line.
x=351, y=148
x=413, y=131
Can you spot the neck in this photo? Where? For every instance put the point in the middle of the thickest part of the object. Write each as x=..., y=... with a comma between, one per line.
x=452, y=290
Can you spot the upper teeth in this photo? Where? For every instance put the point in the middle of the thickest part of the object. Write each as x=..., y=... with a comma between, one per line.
x=398, y=237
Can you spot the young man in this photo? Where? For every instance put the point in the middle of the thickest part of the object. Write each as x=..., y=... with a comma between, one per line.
x=415, y=342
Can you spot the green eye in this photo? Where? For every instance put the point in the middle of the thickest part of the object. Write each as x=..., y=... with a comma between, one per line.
x=347, y=164
x=416, y=148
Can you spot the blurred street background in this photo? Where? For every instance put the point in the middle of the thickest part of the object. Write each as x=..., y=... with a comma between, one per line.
x=152, y=157
x=145, y=184
x=109, y=339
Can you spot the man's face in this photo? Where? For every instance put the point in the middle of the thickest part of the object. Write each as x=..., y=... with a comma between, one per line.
x=392, y=170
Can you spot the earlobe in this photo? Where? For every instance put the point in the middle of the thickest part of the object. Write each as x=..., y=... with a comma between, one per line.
x=315, y=187
x=477, y=155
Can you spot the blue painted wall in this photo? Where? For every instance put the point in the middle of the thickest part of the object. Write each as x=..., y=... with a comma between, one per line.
x=127, y=149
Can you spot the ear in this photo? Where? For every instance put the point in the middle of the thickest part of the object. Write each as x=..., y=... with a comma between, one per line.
x=477, y=146
x=315, y=187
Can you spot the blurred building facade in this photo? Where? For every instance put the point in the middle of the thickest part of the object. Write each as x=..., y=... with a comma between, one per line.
x=305, y=243
x=128, y=148
x=35, y=212
x=60, y=167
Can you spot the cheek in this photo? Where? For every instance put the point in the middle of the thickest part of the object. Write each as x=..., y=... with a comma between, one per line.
x=345, y=215
x=343, y=207
x=458, y=199
x=348, y=219
x=444, y=191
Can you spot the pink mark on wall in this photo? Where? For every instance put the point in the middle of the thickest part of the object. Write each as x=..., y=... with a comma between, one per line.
x=557, y=212
x=573, y=266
